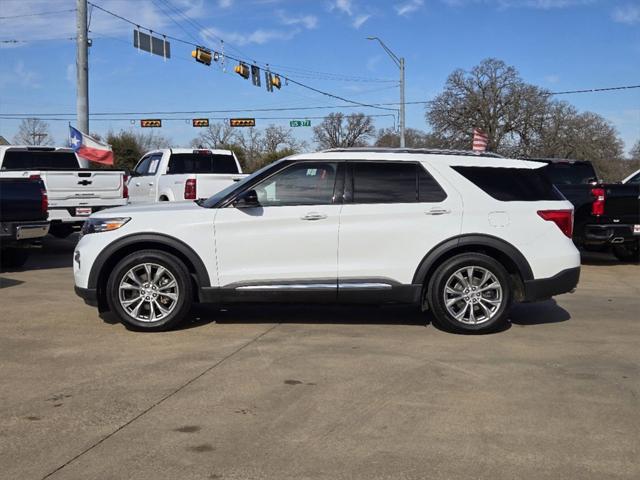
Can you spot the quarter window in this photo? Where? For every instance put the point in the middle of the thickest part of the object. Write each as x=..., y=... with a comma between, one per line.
x=308, y=183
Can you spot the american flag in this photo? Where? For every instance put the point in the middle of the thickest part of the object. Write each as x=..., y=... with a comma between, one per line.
x=480, y=140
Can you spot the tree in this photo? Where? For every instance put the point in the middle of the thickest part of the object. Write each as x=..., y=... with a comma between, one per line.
x=216, y=135
x=33, y=131
x=340, y=131
x=390, y=138
x=250, y=140
x=126, y=148
x=277, y=137
x=492, y=97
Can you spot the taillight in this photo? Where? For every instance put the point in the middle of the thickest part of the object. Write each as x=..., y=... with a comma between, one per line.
x=125, y=186
x=190, y=189
x=562, y=218
x=35, y=178
x=44, y=199
x=597, y=207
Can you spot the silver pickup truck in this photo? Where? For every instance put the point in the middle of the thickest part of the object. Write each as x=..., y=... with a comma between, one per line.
x=74, y=192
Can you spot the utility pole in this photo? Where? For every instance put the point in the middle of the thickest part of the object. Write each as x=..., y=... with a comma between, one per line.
x=82, y=67
x=400, y=64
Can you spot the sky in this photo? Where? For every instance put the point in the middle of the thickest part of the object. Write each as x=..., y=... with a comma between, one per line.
x=556, y=44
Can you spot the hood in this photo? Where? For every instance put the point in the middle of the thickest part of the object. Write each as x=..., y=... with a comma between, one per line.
x=149, y=208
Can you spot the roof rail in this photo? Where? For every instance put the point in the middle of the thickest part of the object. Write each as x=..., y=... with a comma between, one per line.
x=432, y=151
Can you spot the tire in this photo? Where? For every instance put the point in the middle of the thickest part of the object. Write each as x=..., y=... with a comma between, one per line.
x=147, y=314
x=627, y=252
x=61, y=231
x=13, y=257
x=489, y=308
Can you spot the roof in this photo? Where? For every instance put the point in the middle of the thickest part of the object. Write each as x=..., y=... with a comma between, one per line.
x=554, y=160
x=430, y=151
x=3, y=141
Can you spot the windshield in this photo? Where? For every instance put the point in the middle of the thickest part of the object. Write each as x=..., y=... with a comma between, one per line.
x=566, y=173
x=635, y=179
x=238, y=186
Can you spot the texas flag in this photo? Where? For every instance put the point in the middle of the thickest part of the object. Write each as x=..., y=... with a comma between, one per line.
x=89, y=148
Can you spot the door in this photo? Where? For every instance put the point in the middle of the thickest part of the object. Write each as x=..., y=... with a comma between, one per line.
x=142, y=187
x=394, y=214
x=289, y=243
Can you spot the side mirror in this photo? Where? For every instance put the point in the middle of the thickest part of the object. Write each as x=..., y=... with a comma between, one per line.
x=248, y=199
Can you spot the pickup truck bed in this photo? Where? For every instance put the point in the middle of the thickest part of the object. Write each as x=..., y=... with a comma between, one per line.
x=606, y=214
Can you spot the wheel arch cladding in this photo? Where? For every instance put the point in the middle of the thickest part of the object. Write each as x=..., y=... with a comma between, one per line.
x=110, y=256
x=509, y=256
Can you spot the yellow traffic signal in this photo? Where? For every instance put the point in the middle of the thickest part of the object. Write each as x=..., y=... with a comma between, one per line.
x=243, y=70
x=202, y=55
x=151, y=123
x=200, y=122
x=276, y=82
x=242, y=122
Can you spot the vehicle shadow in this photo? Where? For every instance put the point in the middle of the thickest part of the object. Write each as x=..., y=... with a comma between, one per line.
x=9, y=282
x=538, y=313
x=603, y=259
x=54, y=253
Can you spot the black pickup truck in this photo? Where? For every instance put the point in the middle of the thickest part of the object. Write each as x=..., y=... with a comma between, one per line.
x=606, y=214
x=23, y=217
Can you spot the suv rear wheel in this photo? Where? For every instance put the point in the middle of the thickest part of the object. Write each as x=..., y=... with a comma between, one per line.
x=470, y=292
x=150, y=290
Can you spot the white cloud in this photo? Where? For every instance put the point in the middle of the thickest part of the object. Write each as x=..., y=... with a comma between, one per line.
x=539, y=4
x=307, y=21
x=19, y=76
x=552, y=79
x=71, y=73
x=259, y=36
x=627, y=14
x=409, y=7
x=345, y=6
x=225, y=3
x=360, y=20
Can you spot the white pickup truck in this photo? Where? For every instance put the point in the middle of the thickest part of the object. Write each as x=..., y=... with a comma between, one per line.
x=74, y=192
x=174, y=174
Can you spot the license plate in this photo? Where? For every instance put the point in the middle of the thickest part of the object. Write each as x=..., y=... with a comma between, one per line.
x=83, y=212
x=636, y=229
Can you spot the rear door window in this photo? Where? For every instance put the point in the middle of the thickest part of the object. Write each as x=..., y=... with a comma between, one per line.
x=39, y=160
x=512, y=184
x=202, y=162
x=571, y=173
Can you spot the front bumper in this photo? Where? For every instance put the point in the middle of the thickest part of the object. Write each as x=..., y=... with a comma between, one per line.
x=609, y=234
x=89, y=295
x=543, y=288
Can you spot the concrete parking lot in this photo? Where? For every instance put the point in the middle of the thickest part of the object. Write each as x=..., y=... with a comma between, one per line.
x=318, y=392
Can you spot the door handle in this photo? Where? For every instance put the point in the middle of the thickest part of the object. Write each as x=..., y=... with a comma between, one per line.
x=314, y=216
x=137, y=184
x=151, y=184
x=437, y=211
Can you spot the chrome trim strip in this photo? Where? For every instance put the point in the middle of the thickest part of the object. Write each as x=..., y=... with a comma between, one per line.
x=293, y=286
x=347, y=286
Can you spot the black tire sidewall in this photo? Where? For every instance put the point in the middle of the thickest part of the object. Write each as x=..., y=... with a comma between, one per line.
x=168, y=261
x=438, y=282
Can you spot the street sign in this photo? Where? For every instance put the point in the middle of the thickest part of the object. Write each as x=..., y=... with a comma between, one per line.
x=300, y=123
x=151, y=44
x=200, y=122
x=242, y=122
x=151, y=123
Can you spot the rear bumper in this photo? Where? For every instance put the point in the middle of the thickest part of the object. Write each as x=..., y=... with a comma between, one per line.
x=17, y=231
x=89, y=295
x=609, y=234
x=544, y=288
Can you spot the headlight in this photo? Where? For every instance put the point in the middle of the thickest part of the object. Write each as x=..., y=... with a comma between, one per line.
x=97, y=225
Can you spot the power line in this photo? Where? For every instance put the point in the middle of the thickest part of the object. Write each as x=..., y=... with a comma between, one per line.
x=286, y=109
x=54, y=12
x=288, y=79
x=188, y=119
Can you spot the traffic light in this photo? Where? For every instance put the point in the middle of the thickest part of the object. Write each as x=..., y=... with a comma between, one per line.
x=276, y=82
x=242, y=122
x=202, y=55
x=200, y=122
x=255, y=75
x=151, y=123
x=243, y=70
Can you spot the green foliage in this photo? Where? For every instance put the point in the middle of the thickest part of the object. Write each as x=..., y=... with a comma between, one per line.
x=126, y=149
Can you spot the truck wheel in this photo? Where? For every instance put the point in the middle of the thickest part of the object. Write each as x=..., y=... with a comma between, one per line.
x=60, y=230
x=627, y=252
x=13, y=257
x=150, y=290
x=470, y=293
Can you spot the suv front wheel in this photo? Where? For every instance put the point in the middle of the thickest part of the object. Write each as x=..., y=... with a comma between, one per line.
x=470, y=292
x=150, y=290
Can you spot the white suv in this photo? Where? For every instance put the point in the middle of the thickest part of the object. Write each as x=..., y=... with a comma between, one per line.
x=461, y=234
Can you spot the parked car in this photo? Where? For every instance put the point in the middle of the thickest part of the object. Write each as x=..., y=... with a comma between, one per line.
x=172, y=174
x=74, y=192
x=23, y=217
x=606, y=214
x=634, y=178
x=463, y=235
